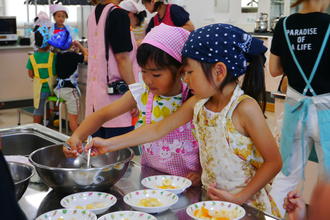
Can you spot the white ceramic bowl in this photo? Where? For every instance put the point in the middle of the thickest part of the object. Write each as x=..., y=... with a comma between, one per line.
x=167, y=199
x=97, y=202
x=235, y=211
x=127, y=215
x=68, y=214
x=174, y=184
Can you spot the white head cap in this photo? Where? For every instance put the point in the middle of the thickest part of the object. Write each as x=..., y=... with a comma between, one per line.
x=55, y=8
x=130, y=5
x=43, y=19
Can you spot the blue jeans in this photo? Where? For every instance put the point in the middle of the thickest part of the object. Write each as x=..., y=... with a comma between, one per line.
x=40, y=110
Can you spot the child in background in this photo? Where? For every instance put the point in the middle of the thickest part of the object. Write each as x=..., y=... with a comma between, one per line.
x=170, y=14
x=161, y=94
x=238, y=153
x=67, y=62
x=136, y=17
x=60, y=14
x=41, y=68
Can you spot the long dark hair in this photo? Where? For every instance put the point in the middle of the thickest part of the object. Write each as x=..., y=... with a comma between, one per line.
x=140, y=17
x=147, y=52
x=254, y=78
x=38, y=39
x=157, y=4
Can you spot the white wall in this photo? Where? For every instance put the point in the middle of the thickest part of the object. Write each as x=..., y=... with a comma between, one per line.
x=204, y=12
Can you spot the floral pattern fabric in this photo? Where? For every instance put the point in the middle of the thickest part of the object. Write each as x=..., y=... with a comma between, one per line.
x=162, y=105
x=227, y=157
x=176, y=153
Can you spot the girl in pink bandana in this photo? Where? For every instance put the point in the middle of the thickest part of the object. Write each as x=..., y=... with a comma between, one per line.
x=160, y=94
x=238, y=153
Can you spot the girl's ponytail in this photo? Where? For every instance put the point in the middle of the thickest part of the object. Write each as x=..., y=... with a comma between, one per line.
x=254, y=79
x=140, y=17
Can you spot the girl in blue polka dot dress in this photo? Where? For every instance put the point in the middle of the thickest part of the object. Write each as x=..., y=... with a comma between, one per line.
x=239, y=155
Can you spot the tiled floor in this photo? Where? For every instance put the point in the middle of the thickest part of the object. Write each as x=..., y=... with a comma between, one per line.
x=9, y=118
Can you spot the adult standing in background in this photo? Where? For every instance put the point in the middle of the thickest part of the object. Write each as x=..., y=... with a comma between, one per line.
x=137, y=18
x=170, y=14
x=111, y=60
x=301, y=49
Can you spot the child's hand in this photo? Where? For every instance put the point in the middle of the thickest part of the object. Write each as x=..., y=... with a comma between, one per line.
x=222, y=195
x=295, y=206
x=31, y=74
x=75, y=145
x=195, y=178
x=98, y=145
x=76, y=44
x=135, y=112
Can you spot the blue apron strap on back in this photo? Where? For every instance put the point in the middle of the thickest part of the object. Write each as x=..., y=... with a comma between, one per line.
x=299, y=111
x=317, y=62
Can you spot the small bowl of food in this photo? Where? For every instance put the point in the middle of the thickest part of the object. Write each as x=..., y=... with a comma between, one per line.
x=127, y=215
x=68, y=214
x=174, y=184
x=151, y=201
x=96, y=202
x=215, y=210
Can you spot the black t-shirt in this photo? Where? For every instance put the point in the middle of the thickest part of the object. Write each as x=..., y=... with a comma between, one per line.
x=66, y=64
x=117, y=29
x=179, y=17
x=306, y=34
x=9, y=208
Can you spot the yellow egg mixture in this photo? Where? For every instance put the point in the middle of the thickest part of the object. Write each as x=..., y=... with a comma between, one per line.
x=167, y=184
x=150, y=202
x=206, y=214
x=94, y=205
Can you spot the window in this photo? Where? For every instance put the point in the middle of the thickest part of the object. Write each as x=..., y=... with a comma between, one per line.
x=19, y=9
x=249, y=5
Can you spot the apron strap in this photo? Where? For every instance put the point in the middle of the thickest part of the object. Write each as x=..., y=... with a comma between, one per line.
x=149, y=107
x=151, y=99
x=317, y=62
x=48, y=65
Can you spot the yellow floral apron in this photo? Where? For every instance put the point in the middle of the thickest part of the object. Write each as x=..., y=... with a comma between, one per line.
x=37, y=81
x=227, y=157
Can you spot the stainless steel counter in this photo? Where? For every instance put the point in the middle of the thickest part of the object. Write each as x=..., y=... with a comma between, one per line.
x=39, y=199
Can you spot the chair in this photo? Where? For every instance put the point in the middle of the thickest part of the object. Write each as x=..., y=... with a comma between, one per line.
x=61, y=102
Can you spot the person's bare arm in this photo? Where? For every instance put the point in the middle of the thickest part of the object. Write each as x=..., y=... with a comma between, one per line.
x=125, y=67
x=82, y=49
x=146, y=133
x=255, y=125
x=31, y=74
x=189, y=26
x=96, y=120
x=275, y=65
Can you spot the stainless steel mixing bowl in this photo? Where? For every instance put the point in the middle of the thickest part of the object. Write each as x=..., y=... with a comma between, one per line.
x=71, y=175
x=21, y=174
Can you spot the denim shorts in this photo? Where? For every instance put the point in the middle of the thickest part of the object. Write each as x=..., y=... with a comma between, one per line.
x=43, y=97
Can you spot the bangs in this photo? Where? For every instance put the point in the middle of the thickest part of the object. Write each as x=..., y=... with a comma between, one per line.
x=147, y=53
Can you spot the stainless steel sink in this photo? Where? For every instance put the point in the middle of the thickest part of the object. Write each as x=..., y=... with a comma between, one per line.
x=23, y=140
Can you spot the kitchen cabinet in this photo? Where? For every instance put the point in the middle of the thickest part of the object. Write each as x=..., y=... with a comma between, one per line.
x=14, y=81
